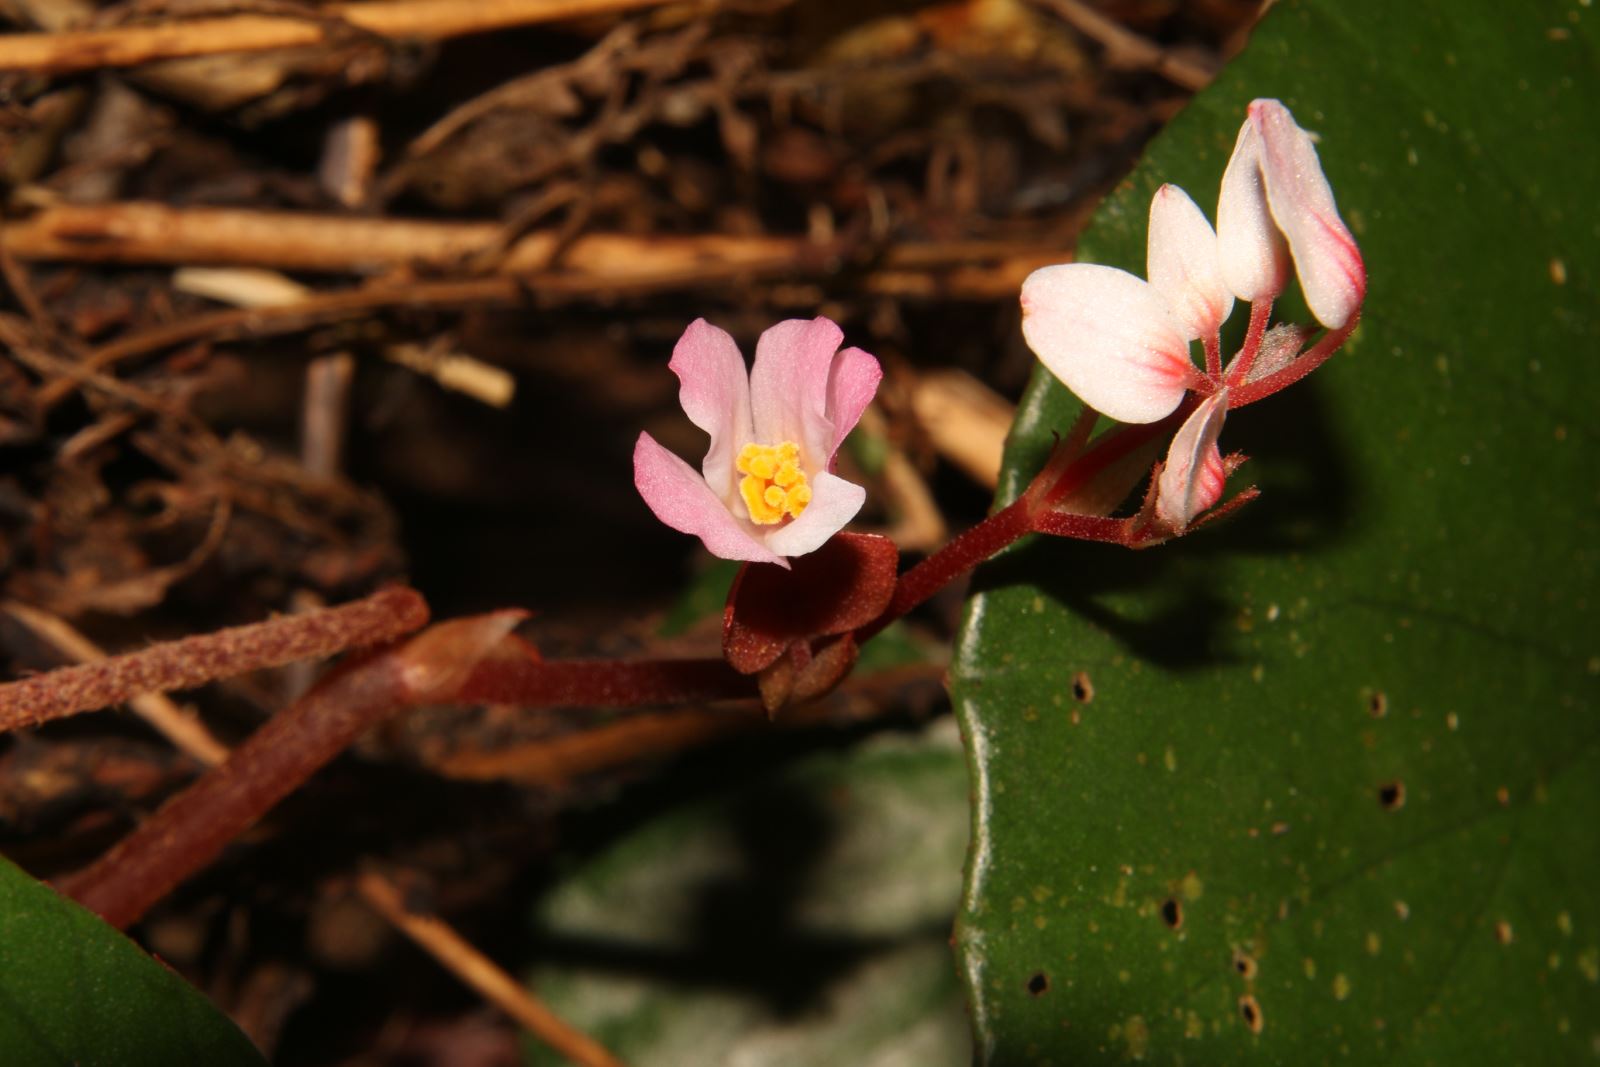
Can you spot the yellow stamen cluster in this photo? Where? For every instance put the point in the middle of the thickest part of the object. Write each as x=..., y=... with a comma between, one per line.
x=773, y=486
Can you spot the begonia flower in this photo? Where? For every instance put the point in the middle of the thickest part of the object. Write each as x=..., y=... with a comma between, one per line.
x=1192, y=479
x=1276, y=205
x=1123, y=343
x=766, y=488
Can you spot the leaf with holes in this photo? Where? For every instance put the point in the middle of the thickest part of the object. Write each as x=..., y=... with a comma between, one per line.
x=75, y=991
x=1319, y=784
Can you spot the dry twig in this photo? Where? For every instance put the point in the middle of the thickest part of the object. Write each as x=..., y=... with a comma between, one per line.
x=127, y=46
x=1124, y=48
x=451, y=950
x=143, y=232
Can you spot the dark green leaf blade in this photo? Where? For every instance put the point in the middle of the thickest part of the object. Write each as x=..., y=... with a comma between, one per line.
x=1332, y=797
x=73, y=991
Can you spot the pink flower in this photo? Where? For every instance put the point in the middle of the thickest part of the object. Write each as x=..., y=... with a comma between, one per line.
x=1275, y=194
x=1192, y=479
x=1122, y=343
x=765, y=489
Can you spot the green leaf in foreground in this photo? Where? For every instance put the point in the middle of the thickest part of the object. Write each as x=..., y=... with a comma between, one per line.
x=793, y=918
x=73, y=991
x=1320, y=784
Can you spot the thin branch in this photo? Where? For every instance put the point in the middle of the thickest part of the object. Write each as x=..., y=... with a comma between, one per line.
x=192, y=661
x=1127, y=49
x=475, y=969
x=144, y=232
x=127, y=46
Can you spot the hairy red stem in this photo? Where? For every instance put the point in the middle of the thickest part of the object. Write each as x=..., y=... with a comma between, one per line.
x=1262, y=388
x=952, y=561
x=192, y=661
x=192, y=828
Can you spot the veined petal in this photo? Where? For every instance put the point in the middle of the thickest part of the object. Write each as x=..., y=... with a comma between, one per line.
x=1326, y=258
x=1250, y=250
x=1182, y=263
x=1193, y=476
x=1109, y=337
x=682, y=499
x=834, y=502
x=789, y=385
x=852, y=383
x=714, y=390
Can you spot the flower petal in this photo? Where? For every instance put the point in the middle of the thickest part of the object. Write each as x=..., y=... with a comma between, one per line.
x=834, y=502
x=789, y=386
x=714, y=390
x=852, y=383
x=1250, y=250
x=681, y=499
x=1109, y=337
x=1326, y=258
x=1182, y=263
x=1192, y=479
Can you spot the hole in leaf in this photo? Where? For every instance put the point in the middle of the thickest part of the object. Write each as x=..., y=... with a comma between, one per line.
x=1377, y=704
x=1082, y=688
x=1244, y=963
x=1039, y=984
x=1172, y=913
x=1392, y=795
x=1250, y=1010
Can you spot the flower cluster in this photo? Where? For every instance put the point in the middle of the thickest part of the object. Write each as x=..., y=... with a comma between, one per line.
x=1122, y=343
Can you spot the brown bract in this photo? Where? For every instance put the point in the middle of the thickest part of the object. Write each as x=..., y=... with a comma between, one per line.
x=775, y=618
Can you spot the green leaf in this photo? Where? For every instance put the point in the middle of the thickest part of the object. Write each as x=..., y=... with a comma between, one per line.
x=1338, y=754
x=788, y=919
x=73, y=991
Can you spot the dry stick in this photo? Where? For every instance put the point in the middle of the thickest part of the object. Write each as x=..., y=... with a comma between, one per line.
x=144, y=232
x=180, y=727
x=126, y=46
x=191, y=661
x=481, y=973
x=1127, y=49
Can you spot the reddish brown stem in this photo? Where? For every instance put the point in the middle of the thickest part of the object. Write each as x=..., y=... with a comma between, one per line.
x=192, y=661
x=533, y=683
x=193, y=827
x=951, y=562
x=1260, y=312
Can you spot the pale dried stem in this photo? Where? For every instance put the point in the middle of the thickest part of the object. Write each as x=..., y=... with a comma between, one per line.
x=181, y=727
x=144, y=232
x=475, y=969
x=126, y=46
x=192, y=661
x=965, y=421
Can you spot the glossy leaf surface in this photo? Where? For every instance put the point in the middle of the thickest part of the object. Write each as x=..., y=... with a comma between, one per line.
x=74, y=991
